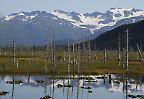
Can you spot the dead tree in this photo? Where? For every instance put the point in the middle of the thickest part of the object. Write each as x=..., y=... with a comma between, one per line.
x=140, y=54
x=89, y=51
x=74, y=60
x=69, y=59
x=127, y=46
x=105, y=55
x=53, y=53
x=46, y=59
x=84, y=48
x=78, y=60
x=17, y=63
x=119, y=51
x=13, y=49
x=125, y=51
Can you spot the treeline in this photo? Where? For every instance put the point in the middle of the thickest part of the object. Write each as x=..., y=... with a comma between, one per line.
x=110, y=39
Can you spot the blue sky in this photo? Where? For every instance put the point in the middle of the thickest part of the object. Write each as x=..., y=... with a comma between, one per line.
x=83, y=6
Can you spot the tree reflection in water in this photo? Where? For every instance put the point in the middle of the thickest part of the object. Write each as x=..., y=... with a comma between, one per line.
x=85, y=87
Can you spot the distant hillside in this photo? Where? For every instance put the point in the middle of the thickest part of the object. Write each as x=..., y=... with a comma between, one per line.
x=109, y=39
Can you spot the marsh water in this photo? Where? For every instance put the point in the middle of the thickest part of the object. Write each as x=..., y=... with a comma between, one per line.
x=108, y=86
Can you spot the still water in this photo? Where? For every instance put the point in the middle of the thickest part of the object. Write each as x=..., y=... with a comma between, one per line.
x=77, y=87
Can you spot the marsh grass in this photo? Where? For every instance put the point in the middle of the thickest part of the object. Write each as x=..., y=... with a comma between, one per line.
x=93, y=66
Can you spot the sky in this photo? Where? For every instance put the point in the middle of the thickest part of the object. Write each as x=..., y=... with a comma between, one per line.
x=83, y=6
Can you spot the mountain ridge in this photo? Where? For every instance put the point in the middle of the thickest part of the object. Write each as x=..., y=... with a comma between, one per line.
x=96, y=20
x=110, y=39
x=64, y=25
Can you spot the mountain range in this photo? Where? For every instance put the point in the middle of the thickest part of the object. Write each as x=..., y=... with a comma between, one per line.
x=41, y=27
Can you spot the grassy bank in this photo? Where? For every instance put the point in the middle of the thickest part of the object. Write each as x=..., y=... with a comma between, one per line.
x=37, y=64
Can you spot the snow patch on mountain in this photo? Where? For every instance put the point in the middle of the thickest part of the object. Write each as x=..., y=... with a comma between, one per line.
x=31, y=17
x=24, y=16
x=97, y=20
x=62, y=15
x=91, y=21
x=10, y=17
x=21, y=14
x=119, y=14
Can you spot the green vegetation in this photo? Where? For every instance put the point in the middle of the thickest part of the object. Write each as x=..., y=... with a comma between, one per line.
x=37, y=63
x=110, y=38
x=2, y=93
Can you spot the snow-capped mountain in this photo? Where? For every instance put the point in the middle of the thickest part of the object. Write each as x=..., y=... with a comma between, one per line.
x=38, y=28
x=95, y=21
x=34, y=26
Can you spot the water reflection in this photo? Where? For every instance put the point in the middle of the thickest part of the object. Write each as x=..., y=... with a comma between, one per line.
x=107, y=86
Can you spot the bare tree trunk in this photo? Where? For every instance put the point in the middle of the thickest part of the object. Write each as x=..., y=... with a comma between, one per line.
x=105, y=55
x=74, y=60
x=140, y=54
x=127, y=44
x=68, y=66
x=119, y=51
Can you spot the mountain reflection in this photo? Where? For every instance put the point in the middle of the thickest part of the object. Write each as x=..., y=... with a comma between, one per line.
x=78, y=85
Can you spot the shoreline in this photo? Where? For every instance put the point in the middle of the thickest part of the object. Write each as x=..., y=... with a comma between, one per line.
x=99, y=71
